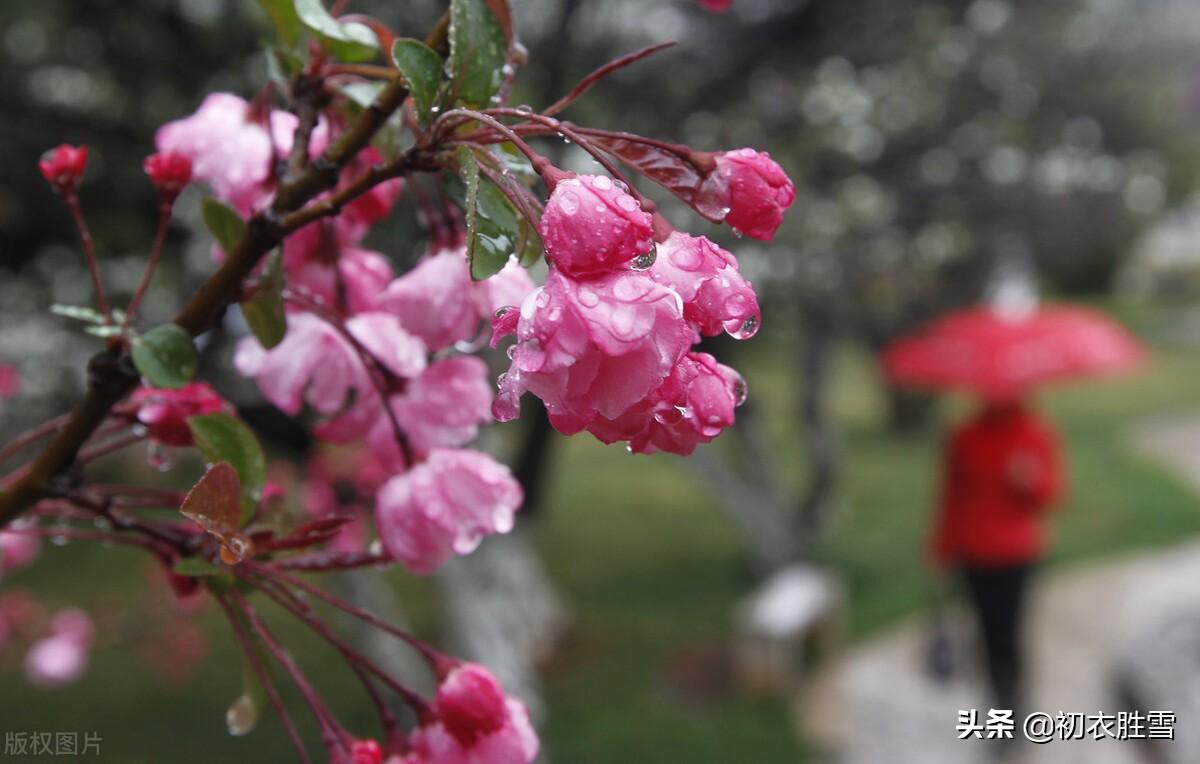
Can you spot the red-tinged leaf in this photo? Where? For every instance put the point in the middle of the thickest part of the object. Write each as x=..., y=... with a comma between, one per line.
x=215, y=502
x=386, y=36
x=670, y=168
x=503, y=13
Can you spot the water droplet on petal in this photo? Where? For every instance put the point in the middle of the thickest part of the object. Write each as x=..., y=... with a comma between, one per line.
x=645, y=260
x=502, y=310
x=742, y=329
x=627, y=203
x=740, y=390
x=511, y=353
x=588, y=298
x=602, y=182
x=569, y=202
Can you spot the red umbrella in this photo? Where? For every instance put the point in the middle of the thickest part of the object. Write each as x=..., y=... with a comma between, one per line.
x=999, y=354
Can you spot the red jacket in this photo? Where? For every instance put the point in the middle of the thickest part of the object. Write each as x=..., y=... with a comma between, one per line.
x=1002, y=471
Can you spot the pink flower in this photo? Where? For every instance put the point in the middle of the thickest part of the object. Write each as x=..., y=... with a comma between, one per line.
x=749, y=190
x=17, y=550
x=594, y=347
x=716, y=6
x=230, y=150
x=62, y=657
x=165, y=412
x=715, y=296
x=442, y=408
x=692, y=406
x=169, y=172
x=10, y=381
x=592, y=226
x=438, y=301
x=63, y=167
x=445, y=504
x=358, y=280
x=318, y=364
x=476, y=723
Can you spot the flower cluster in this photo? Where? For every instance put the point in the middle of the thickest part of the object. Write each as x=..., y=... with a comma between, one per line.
x=606, y=342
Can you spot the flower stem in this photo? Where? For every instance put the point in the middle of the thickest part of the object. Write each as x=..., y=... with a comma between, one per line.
x=160, y=237
x=89, y=253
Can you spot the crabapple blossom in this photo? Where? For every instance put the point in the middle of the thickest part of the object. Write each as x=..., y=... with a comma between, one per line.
x=592, y=226
x=63, y=167
x=356, y=279
x=476, y=723
x=594, y=348
x=445, y=504
x=17, y=550
x=749, y=190
x=366, y=752
x=61, y=657
x=693, y=405
x=715, y=295
x=231, y=150
x=438, y=301
x=164, y=412
x=319, y=364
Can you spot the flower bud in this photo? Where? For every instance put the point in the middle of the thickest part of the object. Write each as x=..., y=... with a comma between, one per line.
x=169, y=172
x=749, y=191
x=63, y=167
x=592, y=226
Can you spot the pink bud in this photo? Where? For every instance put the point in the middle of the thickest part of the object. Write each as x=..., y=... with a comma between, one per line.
x=366, y=752
x=470, y=703
x=165, y=412
x=17, y=550
x=169, y=171
x=716, y=6
x=592, y=226
x=715, y=296
x=63, y=167
x=749, y=191
x=10, y=381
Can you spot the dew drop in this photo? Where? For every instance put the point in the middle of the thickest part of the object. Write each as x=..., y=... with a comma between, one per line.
x=588, y=298
x=645, y=260
x=159, y=456
x=242, y=716
x=235, y=549
x=627, y=203
x=744, y=330
x=502, y=310
x=511, y=353
x=737, y=232
x=569, y=202
x=602, y=182
x=740, y=390
x=525, y=108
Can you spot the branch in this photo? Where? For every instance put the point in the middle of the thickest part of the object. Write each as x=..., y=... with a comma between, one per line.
x=111, y=374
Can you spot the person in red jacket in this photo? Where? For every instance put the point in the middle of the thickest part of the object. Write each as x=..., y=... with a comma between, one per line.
x=1002, y=471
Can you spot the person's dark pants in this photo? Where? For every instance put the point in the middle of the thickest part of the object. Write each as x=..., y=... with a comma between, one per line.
x=998, y=596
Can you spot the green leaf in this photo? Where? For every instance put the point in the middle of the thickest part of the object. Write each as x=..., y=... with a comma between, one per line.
x=222, y=437
x=347, y=41
x=529, y=244
x=79, y=313
x=165, y=356
x=195, y=566
x=264, y=311
x=284, y=17
x=492, y=221
x=421, y=69
x=226, y=226
x=479, y=37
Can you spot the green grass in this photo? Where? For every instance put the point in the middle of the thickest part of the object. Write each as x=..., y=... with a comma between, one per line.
x=651, y=568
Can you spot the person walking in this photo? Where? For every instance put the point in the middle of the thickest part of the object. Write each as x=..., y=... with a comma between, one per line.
x=1002, y=472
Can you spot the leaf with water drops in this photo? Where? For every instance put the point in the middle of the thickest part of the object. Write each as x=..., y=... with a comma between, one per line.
x=226, y=226
x=165, y=356
x=670, y=169
x=480, y=34
x=421, y=69
x=348, y=41
x=223, y=437
x=493, y=228
x=264, y=311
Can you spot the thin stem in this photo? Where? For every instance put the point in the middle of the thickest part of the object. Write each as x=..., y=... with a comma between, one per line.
x=80, y=534
x=89, y=253
x=160, y=237
x=110, y=447
x=568, y=130
x=541, y=165
x=587, y=82
x=370, y=71
x=330, y=729
x=433, y=656
x=245, y=641
x=279, y=593
x=30, y=436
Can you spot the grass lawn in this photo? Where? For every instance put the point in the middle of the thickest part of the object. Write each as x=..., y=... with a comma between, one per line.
x=650, y=566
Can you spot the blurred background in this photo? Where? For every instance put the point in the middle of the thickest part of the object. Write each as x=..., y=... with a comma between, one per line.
x=765, y=600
